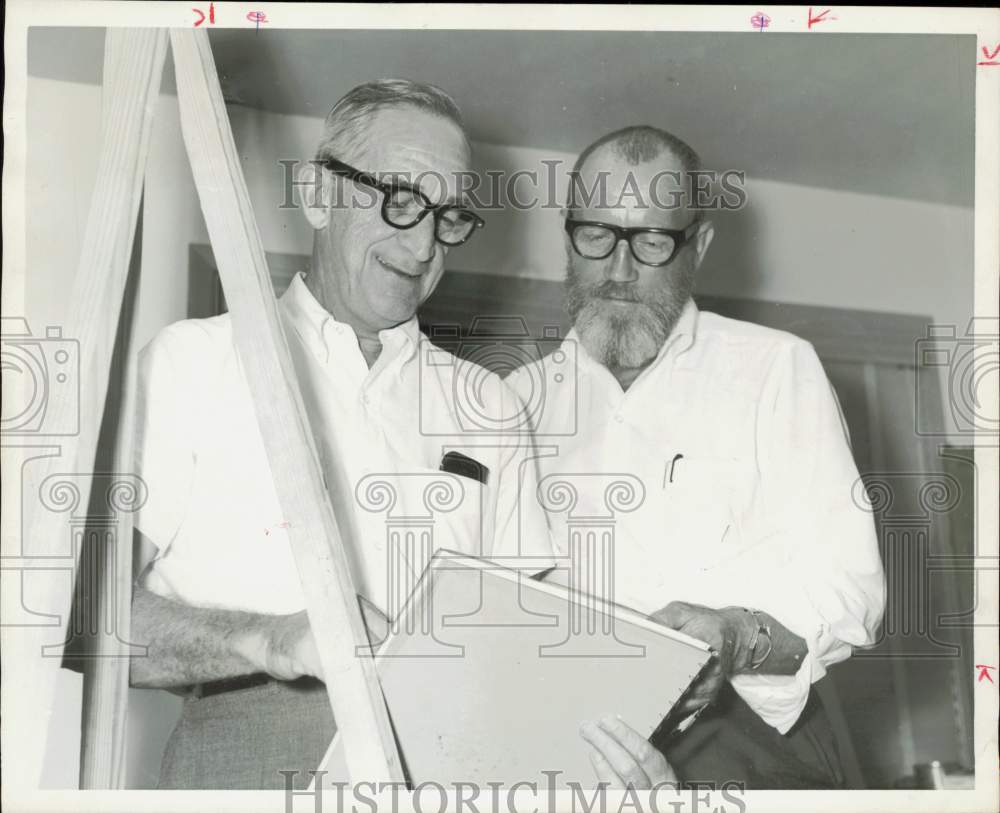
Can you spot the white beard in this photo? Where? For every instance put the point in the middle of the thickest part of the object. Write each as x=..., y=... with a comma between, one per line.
x=622, y=336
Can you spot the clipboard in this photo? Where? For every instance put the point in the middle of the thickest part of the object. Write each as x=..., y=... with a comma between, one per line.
x=488, y=675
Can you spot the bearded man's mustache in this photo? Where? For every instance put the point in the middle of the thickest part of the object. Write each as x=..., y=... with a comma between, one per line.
x=609, y=289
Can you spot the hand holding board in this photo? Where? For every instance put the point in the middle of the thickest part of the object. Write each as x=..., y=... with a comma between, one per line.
x=488, y=675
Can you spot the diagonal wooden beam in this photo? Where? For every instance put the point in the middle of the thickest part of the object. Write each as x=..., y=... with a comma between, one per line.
x=106, y=667
x=317, y=544
x=133, y=69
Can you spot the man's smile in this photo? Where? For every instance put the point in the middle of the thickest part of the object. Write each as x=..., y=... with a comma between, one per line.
x=395, y=269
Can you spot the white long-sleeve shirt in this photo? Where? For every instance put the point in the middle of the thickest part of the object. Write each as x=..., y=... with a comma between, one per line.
x=746, y=477
x=212, y=510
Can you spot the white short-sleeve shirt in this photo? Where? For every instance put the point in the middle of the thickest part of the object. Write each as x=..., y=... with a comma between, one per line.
x=748, y=494
x=381, y=433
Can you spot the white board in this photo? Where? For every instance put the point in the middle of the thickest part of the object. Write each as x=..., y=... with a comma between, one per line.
x=485, y=683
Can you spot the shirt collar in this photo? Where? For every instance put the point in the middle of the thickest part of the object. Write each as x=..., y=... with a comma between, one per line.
x=324, y=335
x=679, y=341
x=683, y=335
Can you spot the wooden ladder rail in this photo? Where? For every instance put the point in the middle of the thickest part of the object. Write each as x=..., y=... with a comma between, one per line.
x=317, y=544
x=133, y=68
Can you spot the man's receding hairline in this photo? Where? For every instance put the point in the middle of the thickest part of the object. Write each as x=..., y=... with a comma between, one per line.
x=347, y=124
x=368, y=124
x=666, y=160
x=639, y=144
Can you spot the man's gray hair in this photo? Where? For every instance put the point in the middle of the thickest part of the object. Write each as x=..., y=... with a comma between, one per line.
x=346, y=126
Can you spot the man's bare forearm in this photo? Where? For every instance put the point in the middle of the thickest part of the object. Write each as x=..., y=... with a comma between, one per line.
x=188, y=645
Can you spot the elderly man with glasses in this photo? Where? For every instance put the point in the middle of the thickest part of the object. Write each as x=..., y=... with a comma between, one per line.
x=748, y=536
x=219, y=604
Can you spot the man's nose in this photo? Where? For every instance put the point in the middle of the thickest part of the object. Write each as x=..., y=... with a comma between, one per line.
x=621, y=267
x=420, y=239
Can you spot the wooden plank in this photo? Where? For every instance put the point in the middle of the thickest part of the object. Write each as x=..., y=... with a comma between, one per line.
x=135, y=66
x=106, y=672
x=317, y=544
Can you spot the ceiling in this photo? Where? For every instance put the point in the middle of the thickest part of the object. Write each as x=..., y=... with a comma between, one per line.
x=880, y=114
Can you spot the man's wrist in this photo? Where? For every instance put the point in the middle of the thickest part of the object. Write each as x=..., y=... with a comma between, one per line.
x=743, y=629
x=254, y=644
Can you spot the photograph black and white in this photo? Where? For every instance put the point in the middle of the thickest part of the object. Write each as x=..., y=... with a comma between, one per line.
x=500, y=408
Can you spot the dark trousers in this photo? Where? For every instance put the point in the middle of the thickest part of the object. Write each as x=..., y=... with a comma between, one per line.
x=729, y=743
x=241, y=740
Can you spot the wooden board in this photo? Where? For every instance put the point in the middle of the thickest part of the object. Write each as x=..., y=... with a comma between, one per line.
x=485, y=684
x=316, y=541
x=107, y=667
x=32, y=654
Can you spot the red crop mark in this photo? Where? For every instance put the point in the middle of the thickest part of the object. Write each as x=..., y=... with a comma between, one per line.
x=984, y=672
x=201, y=15
x=991, y=59
x=819, y=18
x=257, y=17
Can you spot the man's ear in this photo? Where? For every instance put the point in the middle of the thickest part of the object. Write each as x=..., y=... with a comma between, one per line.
x=313, y=192
x=564, y=213
x=704, y=239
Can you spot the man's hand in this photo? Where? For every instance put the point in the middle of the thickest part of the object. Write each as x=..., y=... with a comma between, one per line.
x=286, y=650
x=727, y=631
x=622, y=758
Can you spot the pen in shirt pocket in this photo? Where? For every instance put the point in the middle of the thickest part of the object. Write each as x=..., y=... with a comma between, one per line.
x=670, y=469
x=465, y=466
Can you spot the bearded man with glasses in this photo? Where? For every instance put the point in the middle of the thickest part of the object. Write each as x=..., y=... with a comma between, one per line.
x=748, y=536
x=219, y=603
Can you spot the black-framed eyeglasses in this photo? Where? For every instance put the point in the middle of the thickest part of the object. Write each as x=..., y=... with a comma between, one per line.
x=650, y=246
x=404, y=206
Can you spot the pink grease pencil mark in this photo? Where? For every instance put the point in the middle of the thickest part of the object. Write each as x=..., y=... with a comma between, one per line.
x=201, y=15
x=990, y=58
x=984, y=672
x=819, y=18
x=257, y=17
x=283, y=525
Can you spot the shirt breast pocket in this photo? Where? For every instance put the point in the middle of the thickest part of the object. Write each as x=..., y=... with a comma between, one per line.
x=703, y=508
x=424, y=510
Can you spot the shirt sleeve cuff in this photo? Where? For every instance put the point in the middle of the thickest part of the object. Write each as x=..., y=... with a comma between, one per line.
x=779, y=699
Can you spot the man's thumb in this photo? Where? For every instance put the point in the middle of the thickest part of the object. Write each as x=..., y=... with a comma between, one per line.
x=675, y=615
